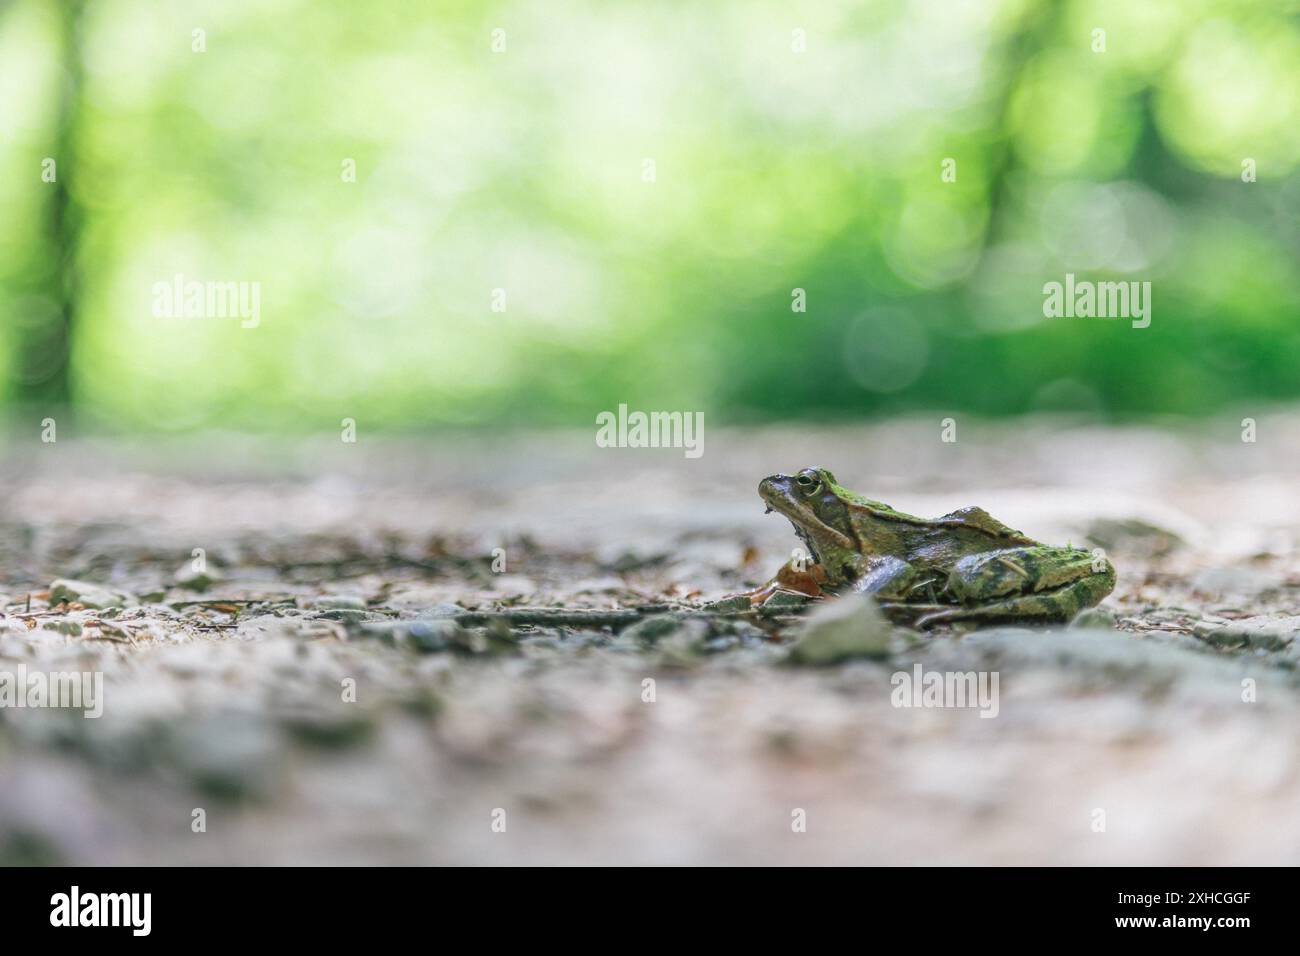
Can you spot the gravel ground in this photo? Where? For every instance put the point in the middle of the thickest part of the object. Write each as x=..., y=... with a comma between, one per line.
x=314, y=691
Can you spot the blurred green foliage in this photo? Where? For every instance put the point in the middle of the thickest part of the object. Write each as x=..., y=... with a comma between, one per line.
x=794, y=146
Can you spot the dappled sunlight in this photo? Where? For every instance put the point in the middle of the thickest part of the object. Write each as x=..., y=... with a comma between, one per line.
x=428, y=204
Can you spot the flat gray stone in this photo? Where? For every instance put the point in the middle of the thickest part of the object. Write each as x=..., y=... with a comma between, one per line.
x=1265, y=632
x=843, y=629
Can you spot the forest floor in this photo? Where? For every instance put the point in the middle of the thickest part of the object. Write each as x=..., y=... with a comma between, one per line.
x=307, y=688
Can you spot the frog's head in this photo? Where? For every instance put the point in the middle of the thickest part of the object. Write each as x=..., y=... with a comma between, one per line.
x=815, y=505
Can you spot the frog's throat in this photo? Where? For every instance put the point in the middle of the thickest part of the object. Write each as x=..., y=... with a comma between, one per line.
x=806, y=519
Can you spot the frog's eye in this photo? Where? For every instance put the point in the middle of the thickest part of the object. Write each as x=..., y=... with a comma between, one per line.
x=808, y=482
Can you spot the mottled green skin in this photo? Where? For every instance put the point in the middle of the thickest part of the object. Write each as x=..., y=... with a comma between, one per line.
x=964, y=566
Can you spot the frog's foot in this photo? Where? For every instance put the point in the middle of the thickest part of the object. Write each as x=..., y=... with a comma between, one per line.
x=805, y=579
x=1055, y=585
x=789, y=601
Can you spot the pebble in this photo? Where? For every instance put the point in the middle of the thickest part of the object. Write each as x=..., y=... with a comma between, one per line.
x=340, y=602
x=88, y=595
x=844, y=629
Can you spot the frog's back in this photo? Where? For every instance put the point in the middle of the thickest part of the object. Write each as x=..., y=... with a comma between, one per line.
x=980, y=520
x=940, y=543
x=972, y=518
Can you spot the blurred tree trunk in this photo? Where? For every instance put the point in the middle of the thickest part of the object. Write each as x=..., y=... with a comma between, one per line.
x=45, y=334
x=1033, y=35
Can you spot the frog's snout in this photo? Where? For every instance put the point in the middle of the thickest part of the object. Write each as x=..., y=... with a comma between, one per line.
x=774, y=486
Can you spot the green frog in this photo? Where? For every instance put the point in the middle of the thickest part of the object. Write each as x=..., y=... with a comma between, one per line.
x=966, y=565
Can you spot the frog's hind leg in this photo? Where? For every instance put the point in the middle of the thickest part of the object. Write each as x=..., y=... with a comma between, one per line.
x=1049, y=607
x=1030, y=584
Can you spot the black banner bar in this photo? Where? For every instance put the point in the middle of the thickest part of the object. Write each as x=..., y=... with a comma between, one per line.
x=331, y=906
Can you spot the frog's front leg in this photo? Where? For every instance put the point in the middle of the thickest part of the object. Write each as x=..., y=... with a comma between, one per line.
x=886, y=578
x=1037, y=583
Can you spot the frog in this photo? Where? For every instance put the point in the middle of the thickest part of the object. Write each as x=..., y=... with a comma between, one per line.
x=965, y=566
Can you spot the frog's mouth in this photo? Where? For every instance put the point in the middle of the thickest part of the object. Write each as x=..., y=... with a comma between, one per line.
x=807, y=525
